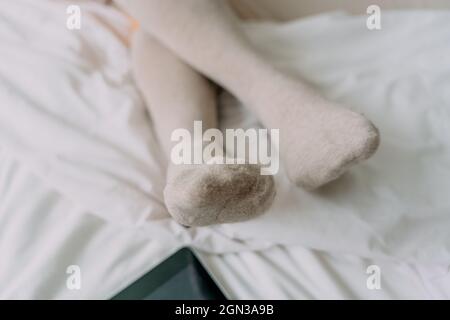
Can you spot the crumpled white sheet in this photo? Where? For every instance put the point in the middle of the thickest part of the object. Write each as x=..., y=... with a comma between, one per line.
x=69, y=110
x=44, y=235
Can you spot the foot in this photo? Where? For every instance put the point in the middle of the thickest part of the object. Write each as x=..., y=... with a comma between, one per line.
x=326, y=145
x=319, y=140
x=208, y=194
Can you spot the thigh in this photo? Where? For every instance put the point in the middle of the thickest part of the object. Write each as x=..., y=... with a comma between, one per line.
x=251, y=9
x=294, y=9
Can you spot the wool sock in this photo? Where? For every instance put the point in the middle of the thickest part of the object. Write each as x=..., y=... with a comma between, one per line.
x=319, y=140
x=176, y=96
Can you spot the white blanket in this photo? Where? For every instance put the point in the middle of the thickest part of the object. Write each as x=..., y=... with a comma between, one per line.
x=70, y=112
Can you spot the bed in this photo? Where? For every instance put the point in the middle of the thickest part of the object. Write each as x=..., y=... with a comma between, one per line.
x=81, y=182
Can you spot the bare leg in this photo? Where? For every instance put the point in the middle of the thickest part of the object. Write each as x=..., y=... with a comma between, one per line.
x=319, y=140
x=176, y=96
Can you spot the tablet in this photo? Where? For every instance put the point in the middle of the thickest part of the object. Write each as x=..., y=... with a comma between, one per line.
x=180, y=277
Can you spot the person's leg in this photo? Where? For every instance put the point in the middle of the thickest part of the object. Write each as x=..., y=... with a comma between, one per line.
x=176, y=96
x=318, y=139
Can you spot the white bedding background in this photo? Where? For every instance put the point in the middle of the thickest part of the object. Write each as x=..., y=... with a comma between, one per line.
x=41, y=236
x=80, y=171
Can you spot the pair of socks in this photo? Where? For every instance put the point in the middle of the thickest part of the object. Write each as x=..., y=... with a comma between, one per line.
x=182, y=44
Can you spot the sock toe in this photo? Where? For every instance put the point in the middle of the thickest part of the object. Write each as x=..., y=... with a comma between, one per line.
x=355, y=140
x=201, y=195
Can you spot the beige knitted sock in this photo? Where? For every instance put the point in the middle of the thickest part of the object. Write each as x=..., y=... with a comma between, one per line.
x=319, y=140
x=176, y=96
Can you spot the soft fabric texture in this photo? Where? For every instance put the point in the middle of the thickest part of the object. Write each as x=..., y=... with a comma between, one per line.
x=201, y=195
x=56, y=232
x=72, y=116
x=177, y=96
x=319, y=140
x=174, y=93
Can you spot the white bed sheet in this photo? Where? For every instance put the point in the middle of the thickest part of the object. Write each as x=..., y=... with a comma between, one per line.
x=48, y=222
x=45, y=233
x=298, y=273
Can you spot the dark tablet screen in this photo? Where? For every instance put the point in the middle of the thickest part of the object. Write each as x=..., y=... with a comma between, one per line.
x=180, y=277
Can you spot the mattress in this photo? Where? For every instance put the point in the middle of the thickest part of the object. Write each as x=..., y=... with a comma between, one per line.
x=81, y=182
